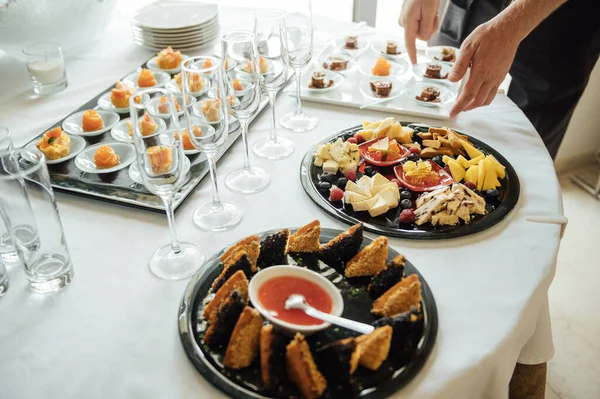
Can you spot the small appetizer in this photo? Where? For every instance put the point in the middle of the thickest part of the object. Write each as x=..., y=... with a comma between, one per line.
x=448, y=206
x=219, y=333
x=245, y=340
x=338, y=360
x=91, y=121
x=334, y=63
x=130, y=129
x=448, y=54
x=146, y=78
x=342, y=248
x=163, y=108
x=237, y=85
x=168, y=59
x=388, y=277
x=434, y=71
x=302, y=369
x=263, y=66
x=207, y=63
x=370, y=260
x=351, y=42
x=272, y=357
x=119, y=96
x=161, y=158
x=237, y=282
x=381, y=88
x=195, y=82
x=317, y=81
x=429, y=95
x=420, y=173
x=385, y=150
x=54, y=144
x=401, y=298
x=274, y=249
x=306, y=238
x=226, y=65
x=105, y=157
x=147, y=125
x=382, y=67
x=185, y=137
x=239, y=261
x=210, y=109
x=374, y=348
x=249, y=245
x=391, y=47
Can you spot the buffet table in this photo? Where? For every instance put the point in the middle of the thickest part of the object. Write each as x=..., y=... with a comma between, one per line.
x=113, y=332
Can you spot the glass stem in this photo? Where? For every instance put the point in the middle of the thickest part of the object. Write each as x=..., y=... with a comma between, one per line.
x=298, y=73
x=212, y=167
x=244, y=126
x=168, y=201
x=273, y=133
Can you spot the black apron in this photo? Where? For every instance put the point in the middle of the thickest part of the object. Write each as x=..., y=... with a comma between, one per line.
x=552, y=65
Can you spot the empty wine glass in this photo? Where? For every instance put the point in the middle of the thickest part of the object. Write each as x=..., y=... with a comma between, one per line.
x=300, y=47
x=160, y=160
x=209, y=133
x=242, y=85
x=271, y=43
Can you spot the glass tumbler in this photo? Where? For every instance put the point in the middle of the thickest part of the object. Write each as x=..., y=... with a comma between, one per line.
x=29, y=211
x=3, y=279
x=8, y=253
x=46, y=67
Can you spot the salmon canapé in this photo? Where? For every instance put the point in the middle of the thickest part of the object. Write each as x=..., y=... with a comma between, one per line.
x=146, y=78
x=91, y=121
x=105, y=157
x=161, y=158
x=168, y=59
x=55, y=144
x=382, y=67
x=185, y=137
x=119, y=96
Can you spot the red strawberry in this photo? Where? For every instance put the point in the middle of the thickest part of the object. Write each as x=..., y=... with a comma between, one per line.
x=336, y=194
x=414, y=150
x=359, y=138
x=407, y=216
x=352, y=140
x=362, y=167
x=350, y=175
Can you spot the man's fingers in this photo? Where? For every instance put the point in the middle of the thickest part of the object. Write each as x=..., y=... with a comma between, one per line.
x=427, y=22
x=470, y=90
x=436, y=23
x=410, y=35
x=491, y=96
x=462, y=62
x=480, y=97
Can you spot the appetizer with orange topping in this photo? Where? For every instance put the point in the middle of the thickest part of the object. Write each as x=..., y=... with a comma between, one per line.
x=168, y=59
x=185, y=137
x=210, y=109
x=207, y=63
x=119, y=96
x=54, y=144
x=195, y=82
x=147, y=125
x=382, y=67
x=105, y=157
x=161, y=158
x=237, y=85
x=130, y=128
x=163, y=108
x=146, y=78
x=263, y=66
x=91, y=121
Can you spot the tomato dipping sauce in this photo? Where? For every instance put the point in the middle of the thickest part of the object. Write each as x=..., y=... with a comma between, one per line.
x=273, y=293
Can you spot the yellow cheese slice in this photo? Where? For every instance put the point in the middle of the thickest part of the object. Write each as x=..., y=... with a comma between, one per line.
x=463, y=161
x=481, y=171
x=364, y=205
x=471, y=175
x=472, y=151
x=457, y=171
x=474, y=161
x=500, y=169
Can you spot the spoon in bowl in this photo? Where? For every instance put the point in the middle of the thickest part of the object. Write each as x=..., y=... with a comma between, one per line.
x=297, y=301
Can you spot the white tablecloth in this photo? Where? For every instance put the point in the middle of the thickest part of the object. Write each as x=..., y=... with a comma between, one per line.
x=113, y=333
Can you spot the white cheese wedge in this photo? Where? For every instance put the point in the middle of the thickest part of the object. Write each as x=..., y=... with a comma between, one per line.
x=349, y=165
x=337, y=151
x=379, y=208
x=390, y=196
x=354, y=153
x=365, y=183
x=318, y=162
x=330, y=166
x=365, y=205
x=445, y=219
x=323, y=151
x=381, y=145
x=351, y=197
x=379, y=180
x=351, y=186
x=392, y=186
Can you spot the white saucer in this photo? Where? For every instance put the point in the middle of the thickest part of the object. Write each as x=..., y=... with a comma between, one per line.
x=120, y=132
x=161, y=79
x=446, y=94
x=85, y=160
x=337, y=78
x=207, y=130
x=72, y=124
x=363, y=45
x=105, y=103
x=379, y=47
x=399, y=67
x=322, y=60
x=435, y=53
x=153, y=104
x=77, y=145
x=174, y=15
x=153, y=66
x=419, y=71
x=134, y=172
x=173, y=87
x=365, y=89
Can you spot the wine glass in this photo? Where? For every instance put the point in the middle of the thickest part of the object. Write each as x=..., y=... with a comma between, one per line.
x=242, y=85
x=160, y=162
x=271, y=43
x=300, y=48
x=213, y=123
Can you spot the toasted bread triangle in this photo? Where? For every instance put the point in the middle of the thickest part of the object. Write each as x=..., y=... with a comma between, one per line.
x=370, y=260
x=237, y=282
x=306, y=238
x=374, y=347
x=400, y=298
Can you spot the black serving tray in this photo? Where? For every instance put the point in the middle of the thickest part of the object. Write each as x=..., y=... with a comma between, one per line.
x=388, y=223
x=246, y=383
x=117, y=187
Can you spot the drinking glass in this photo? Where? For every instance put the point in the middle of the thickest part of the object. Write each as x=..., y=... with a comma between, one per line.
x=8, y=253
x=4, y=283
x=300, y=48
x=29, y=213
x=46, y=67
x=242, y=85
x=160, y=162
x=271, y=43
x=216, y=215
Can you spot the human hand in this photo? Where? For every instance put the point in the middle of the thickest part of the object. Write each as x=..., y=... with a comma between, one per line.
x=489, y=50
x=419, y=18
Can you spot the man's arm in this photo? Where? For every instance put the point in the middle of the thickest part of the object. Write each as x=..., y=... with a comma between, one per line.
x=490, y=49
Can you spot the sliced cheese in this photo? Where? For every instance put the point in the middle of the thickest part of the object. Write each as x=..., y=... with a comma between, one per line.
x=457, y=171
x=377, y=189
x=379, y=180
x=349, y=165
x=491, y=176
x=351, y=186
x=323, y=151
x=471, y=175
x=337, y=151
x=318, y=161
x=366, y=134
x=447, y=159
x=384, y=126
x=481, y=171
x=331, y=166
x=379, y=208
x=390, y=196
x=500, y=169
x=471, y=151
x=406, y=135
x=364, y=183
x=463, y=161
x=381, y=145
x=350, y=197
x=473, y=161
x=365, y=205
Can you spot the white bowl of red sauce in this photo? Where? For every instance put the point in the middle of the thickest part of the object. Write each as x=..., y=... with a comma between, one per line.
x=269, y=289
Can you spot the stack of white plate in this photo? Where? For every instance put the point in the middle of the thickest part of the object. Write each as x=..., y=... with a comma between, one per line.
x=182, y=25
